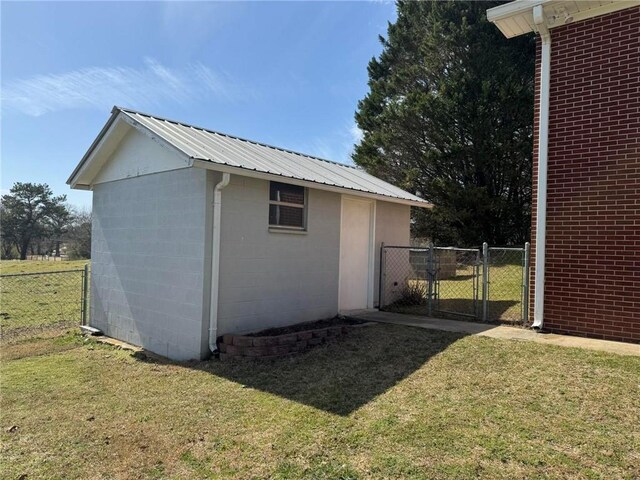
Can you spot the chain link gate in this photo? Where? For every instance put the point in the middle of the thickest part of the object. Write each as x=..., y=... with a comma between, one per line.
x=507, y=284
x=489, y=284
x=457, y=281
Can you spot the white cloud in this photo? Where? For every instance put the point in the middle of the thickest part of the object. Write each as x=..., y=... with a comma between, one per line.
x=103, y=87
x=356, y=134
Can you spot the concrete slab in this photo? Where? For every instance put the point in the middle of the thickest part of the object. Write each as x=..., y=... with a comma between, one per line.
x=497, y=331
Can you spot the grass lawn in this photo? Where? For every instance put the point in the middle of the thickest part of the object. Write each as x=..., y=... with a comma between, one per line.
x=34, y=303
x=456, y=294
x=384, y=402
x=32, y=266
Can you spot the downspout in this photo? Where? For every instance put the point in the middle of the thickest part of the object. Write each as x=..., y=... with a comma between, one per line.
x=543, y=147
x=215, y=261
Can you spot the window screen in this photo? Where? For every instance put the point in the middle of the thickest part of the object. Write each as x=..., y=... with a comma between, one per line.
x=287, y=204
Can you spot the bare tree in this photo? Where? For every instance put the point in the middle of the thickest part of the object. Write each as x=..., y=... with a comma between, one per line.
x=78, y=236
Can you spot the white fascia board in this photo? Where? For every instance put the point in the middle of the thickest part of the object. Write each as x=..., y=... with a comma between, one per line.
x=598, y=11
x=243, y=172
x=511, y=9
x=109, y=133
x=519, y=12
x=108, y=138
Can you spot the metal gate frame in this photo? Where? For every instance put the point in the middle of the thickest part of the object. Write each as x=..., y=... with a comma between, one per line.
x=475, y=281
x=430, y=273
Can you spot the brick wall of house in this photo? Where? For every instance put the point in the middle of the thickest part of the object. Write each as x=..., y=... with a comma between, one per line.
x=592, y=284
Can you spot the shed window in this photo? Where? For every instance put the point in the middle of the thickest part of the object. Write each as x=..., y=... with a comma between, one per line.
x=287, y=206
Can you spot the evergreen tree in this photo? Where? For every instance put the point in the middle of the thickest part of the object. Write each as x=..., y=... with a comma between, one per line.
x=449, y=115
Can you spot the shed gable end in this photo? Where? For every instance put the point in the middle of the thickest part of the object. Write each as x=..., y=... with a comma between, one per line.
x=138, y=154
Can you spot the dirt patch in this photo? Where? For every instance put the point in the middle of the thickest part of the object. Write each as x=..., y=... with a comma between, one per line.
x=44, y=345
x=42, y=331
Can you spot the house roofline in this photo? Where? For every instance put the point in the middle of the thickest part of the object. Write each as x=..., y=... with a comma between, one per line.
x=245, y=172
x=118, y=113
x=516, y=18
x=235, y=137
x=94, y=145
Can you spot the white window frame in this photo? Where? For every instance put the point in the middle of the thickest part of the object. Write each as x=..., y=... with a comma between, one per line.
x=303, y=206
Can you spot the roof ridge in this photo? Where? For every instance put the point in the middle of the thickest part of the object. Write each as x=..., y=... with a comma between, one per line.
x=262, y=144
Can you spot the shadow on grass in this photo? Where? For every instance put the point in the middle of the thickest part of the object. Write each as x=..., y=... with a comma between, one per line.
x=457, y=278
x=342, y=376
x=461, y=308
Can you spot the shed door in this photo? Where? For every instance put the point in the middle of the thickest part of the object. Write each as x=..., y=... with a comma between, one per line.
x=356, y=254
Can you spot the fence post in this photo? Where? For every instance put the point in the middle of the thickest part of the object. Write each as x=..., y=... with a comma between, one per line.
x=525, y=283
x=85, y=292
x=382, y=277
x=431, y=275
x=485, y=281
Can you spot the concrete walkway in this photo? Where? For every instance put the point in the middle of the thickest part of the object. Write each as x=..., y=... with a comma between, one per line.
x=496, y=331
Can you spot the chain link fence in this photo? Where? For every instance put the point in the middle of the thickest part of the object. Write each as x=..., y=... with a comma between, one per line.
x=507, y=284
x=456, y=282
x=487, y=284
x=33, y=304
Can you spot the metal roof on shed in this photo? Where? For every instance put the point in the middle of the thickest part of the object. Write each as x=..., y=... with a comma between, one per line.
x=226, y=150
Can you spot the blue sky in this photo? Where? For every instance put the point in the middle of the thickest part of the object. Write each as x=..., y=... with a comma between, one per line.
x=286, y=73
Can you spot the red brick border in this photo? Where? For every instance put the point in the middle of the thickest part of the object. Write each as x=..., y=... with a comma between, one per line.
x=244, y=346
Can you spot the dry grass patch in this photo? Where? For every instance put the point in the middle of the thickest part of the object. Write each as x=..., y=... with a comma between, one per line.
x=385, y=402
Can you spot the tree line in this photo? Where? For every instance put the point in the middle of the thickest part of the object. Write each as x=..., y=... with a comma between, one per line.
x=449, y=116
x=35, y=222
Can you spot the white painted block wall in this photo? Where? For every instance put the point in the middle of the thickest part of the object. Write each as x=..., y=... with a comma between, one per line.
x=272, y=279
x=151, y=256
x=148, y=261
x=392, y=228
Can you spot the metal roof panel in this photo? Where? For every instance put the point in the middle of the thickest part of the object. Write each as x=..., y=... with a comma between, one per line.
x=219, y=148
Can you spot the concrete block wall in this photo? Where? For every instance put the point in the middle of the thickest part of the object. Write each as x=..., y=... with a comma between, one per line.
x=149, y=262
x=592, y=282
x=393, y=222
x=268, y=278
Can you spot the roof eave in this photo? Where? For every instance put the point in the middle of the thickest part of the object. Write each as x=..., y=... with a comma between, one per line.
x=122, y=120
x=520, y=13
x=506, y=10
x=71, y=181
x=245, y=172
x=117, y=114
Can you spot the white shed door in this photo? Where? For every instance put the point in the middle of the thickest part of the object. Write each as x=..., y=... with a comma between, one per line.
x=355, y=254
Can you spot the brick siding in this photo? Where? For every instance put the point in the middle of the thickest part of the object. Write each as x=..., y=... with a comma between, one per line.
x=592, y=284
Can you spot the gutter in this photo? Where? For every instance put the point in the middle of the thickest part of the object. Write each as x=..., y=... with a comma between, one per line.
x=215, y=261
x=543, y=155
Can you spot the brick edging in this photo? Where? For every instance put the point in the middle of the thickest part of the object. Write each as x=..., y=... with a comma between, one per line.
x=276, y=346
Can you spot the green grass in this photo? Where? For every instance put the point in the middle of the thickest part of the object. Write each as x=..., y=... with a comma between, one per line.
x=36, y=304
x=456, y=294
x=384, y=402
x=31, y=266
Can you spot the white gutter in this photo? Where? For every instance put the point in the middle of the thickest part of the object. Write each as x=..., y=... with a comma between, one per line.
x=543, y=151
x=215, y=261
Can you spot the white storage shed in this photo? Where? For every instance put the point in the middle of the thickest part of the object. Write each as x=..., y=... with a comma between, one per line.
x=197, y=234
